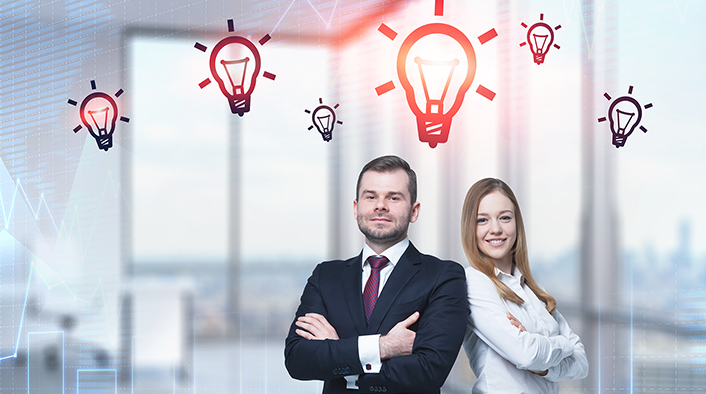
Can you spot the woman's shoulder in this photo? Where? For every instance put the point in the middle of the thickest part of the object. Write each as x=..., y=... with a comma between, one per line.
x=477, y=278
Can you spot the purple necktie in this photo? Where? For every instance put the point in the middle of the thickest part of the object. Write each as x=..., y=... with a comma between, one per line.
x=370, y=294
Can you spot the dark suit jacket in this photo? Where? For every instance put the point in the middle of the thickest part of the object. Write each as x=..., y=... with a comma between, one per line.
x=436, y=288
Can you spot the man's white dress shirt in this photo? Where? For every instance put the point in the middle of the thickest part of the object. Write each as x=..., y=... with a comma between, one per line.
x=369, y=345
x=502, y=356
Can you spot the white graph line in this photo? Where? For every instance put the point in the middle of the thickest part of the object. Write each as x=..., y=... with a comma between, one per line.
x=601, y=9
x=22, y=319
x=327, y=23
x=590, y=46
x=63, y=357
x=89, y=301
x=682, y=19
x=682, y=16
x=568, y=15
x=282, y=17
x=60, y=230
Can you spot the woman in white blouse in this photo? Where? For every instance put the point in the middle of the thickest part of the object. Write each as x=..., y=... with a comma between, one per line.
x=516, y=341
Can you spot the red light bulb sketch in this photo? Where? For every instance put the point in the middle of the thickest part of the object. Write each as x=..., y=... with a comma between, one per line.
x=235, y=65
x=99, y=113
x=436, y=65
x=540, y=38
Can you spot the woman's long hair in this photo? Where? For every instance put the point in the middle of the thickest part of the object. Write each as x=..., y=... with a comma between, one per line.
x=483, y=263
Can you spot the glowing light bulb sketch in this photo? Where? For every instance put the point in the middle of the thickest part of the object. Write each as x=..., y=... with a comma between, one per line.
x=624, y=114
x=427, y=85
x=540, y=38
x=235, y=79
x=235, y=65
x=436, y=65
x=99, y=113
x=324, y=119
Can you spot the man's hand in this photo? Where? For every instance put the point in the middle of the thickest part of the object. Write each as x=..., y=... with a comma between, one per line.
x=399, y=341
x=315, y=326
x=515, y=322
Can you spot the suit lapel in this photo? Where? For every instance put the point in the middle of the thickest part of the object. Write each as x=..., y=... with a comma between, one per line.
x=352, y=277
x=404, y=270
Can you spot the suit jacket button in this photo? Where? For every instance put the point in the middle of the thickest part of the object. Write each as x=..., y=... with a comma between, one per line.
x=368, y=367
x=348, y=370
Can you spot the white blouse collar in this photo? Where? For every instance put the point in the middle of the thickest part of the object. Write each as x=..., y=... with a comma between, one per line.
x=515, y=273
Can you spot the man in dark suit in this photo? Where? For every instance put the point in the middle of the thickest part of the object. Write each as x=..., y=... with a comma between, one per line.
x=416, y=301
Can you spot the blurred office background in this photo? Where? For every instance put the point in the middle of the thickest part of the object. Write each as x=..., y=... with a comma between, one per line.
x=174, y=261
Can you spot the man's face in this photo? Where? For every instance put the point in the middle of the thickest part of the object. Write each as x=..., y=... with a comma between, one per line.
x=383, y=209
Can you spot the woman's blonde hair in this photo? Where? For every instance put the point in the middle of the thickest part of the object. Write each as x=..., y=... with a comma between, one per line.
x=483, y=263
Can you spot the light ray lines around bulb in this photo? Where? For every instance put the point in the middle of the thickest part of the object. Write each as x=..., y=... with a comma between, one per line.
x=62, y=283
x=625, y=114
x=421, y=68
x=390, y=85
x=439, y=8
x=324, y=119
x=61, y=228
x=235, y=80
x=99, y=112
x=540, y=38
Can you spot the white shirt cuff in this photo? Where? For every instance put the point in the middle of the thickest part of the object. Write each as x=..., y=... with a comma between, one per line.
x=369, y=353
x=553, y=373
x=352, y=382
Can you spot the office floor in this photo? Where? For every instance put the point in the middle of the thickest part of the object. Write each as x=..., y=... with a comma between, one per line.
x=253, y=368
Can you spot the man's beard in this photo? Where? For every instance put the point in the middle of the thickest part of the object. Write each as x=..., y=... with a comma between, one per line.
x=382, y=236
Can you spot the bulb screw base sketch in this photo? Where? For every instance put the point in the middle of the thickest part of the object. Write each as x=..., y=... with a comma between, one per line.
x=433, y=130
x=105, y=142
x=619, y=140
x=239, y=105
x=539, y=58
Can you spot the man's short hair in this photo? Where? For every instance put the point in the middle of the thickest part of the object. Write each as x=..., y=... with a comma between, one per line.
x=391, y=163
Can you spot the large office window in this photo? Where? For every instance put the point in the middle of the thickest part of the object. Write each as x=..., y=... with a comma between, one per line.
x=184, y=142
x=194, y=166
x=177, y=175
x=660, y=196
x=179, y=157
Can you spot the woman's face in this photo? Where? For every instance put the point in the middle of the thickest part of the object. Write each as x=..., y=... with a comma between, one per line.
x=496, y=230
